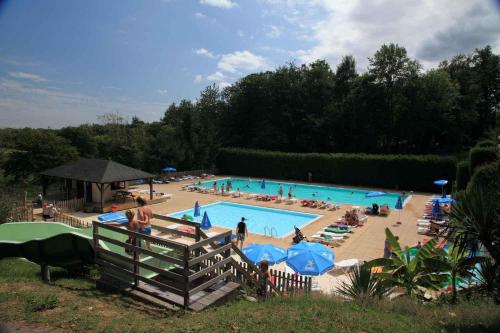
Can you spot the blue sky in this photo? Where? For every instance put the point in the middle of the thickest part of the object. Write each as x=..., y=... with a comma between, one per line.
x=63, y=62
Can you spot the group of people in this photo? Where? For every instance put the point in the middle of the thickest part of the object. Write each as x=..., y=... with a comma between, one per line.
x=49, y=211
x=141, y=223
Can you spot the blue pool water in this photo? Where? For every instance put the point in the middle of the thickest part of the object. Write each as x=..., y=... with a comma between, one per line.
x=311, y=192
x=227, y=214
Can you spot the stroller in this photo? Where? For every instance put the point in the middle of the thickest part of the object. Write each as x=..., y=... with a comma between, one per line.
x=299, y=236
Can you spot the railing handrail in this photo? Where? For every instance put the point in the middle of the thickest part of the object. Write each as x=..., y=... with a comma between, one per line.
x=175, y=220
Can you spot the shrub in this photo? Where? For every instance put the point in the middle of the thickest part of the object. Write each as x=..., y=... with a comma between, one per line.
x=410, y=172
x=463, y=175
x=486, y=143
x=41, y=303
x=486, y=177
x=481, y=155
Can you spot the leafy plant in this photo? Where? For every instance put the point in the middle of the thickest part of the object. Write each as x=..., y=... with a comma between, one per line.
x=457, y=263
x=489, y=278
x=410, y=273
x=363, y=285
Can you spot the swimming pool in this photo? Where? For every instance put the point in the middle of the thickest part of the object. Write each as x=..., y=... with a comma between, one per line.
x=260, y=219
x=311, y=192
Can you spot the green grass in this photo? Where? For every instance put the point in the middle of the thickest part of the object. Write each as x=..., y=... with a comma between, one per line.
x=74, y=304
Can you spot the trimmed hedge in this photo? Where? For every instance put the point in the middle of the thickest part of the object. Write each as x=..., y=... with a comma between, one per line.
x=486, y=177
x=463, y=175
x=405, y=172
x=481, y=155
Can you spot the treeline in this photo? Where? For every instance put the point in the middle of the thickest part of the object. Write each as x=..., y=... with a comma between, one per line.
x=393, y=108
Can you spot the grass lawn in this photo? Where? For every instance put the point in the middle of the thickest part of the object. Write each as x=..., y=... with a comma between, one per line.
x=73, y=304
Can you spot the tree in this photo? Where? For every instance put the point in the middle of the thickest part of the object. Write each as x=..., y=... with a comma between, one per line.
x=363, y=285
x=411, y=273
x=391, y=64
x=36, y=151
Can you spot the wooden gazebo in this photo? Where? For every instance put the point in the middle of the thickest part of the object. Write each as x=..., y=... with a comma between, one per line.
x=96, y=180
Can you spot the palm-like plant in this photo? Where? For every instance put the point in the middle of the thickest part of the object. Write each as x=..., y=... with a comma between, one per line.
x=475, y=220
x=363, y=285
x=456, y=263
x=489, y=277
x=410, y=273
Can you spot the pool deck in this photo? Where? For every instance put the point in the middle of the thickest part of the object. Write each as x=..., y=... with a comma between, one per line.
x=365, y=243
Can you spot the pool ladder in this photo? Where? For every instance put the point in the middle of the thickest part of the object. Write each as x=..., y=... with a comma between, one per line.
x=270, y=231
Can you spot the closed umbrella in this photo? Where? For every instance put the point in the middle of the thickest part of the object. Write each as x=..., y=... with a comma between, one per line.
x=374, y=194
x=258, y=252
x=263, y=184
x=205, y=222
x=399, y=206
x=196, y=209
x=310, y=258
x=436, y=210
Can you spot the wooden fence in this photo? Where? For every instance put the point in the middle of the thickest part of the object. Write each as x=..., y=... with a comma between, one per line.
x=192, y=267
x=21, y=213
x=71, y=221
x=70, y=205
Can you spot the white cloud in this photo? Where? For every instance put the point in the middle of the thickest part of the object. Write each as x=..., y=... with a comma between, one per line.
x=218, y=77
x=430, y=30
x=202, y=16
x=27, y=76
x=226, y=4
x=111, y=88
x=206, y=53
x=198, y=78
x=25, y=105
x=241, y=61
x=162, y=91
x=274, y=32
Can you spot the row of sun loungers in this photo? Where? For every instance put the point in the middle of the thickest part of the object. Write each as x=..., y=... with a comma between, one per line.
x=430, y=224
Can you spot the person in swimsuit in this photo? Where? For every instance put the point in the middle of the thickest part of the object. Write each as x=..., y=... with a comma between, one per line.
x=45, y=211
x=131, y=225
x=144, y=216
x=241, y=232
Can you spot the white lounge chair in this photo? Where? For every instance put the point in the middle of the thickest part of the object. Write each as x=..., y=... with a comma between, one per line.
x=346, y=265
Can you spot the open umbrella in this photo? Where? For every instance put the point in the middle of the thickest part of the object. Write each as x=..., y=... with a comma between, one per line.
x=205, y=222
x=263, y=184
x=258, y=252
x=196, y=209
x=310, y=258
x=399, y=206
x=169, y=169
x=436, y=210
x=374, y=194
x=442, y=183
x=444, y=200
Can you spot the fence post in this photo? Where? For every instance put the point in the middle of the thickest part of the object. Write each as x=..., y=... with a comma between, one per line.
x=136, y=259
x=186, y=278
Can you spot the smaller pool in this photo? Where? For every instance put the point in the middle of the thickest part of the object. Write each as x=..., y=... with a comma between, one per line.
x=260, y=219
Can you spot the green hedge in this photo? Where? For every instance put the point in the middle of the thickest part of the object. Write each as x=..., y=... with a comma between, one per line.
x=486, y=177
x=406, y=172
x=463, y=175
x=481, y=155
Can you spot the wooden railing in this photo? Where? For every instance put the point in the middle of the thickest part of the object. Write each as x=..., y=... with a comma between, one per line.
x=21, y=213
x=70, y=205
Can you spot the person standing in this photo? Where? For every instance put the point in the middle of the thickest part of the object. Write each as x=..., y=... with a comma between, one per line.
x=144, y=216
x=280, y=191
x=241, y=232
x=290, y=192
x=387, y=249
x=52, y=212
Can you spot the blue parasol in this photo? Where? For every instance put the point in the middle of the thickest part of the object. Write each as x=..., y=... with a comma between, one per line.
x=258, y=252
x=399, y=206
x=205, y=222
x=374, y=194
x=169, y=169
x=444, y=200
x=196, y=209
x=310, y=258
x=436, y=210
x=442, y=183
x=263, y=184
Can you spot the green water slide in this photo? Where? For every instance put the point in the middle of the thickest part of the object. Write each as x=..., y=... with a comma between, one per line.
x=60, y=245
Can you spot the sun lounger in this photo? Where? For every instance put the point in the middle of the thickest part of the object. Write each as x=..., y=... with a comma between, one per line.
x=252, y=196
x=291, y=201
x=346, y=265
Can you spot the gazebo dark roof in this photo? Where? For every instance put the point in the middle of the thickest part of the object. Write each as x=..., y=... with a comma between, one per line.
x=96, y=171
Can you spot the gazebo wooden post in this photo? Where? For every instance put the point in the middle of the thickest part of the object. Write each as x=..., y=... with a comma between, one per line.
x=101, y=189
x=150, y=188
